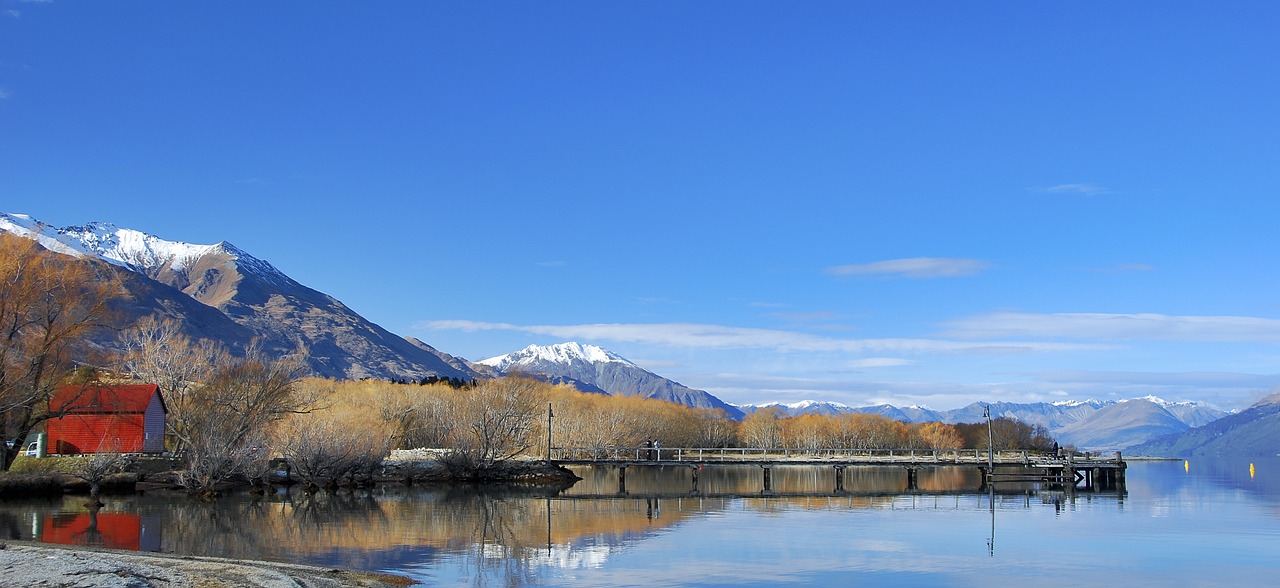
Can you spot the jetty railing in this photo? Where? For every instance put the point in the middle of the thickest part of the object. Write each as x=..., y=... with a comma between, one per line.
x=786, y=454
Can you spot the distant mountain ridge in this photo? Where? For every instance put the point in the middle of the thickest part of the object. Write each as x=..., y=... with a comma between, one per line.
x=1253, y=432
x=223, y=293
x=1088, y=424
x=603, y=370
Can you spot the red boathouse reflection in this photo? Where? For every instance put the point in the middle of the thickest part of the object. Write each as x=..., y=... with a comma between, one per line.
x=103, y=529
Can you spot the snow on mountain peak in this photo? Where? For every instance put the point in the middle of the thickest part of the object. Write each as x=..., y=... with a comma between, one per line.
x=133, y=248
x=1168, y=403
x=25, y=226
x=1072, y=403
x=128, y=247
x=561, y=353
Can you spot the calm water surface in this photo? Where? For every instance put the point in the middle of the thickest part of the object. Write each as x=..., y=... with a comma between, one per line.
x=1208, y=524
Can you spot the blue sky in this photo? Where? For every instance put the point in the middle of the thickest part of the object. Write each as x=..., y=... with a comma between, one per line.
x=911, y=202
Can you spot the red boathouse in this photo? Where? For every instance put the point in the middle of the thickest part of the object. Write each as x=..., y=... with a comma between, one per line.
x=126, y=418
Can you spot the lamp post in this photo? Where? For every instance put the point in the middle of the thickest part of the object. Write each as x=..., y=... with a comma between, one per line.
x=991, y=448
x=549, y=415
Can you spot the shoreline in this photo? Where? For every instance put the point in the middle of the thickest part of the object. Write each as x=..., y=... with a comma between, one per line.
x=28, y=563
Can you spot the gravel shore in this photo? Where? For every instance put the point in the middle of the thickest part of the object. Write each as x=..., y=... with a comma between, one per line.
x=39, y=564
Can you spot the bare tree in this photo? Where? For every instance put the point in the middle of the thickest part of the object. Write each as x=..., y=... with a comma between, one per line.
x=51, y=305
x=228, y=417
x=323, y=450
x=156, y=352
x=95, y=467
x=499, y=419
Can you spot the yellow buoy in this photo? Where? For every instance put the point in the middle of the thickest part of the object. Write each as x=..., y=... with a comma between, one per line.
x=1186, y=465
x=1250, y=471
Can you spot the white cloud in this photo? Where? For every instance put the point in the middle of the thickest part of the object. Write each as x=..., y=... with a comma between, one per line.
x=1080, y=189
x=703, y=336
x=1157, y=327
x=913, y=267
x=874, y=362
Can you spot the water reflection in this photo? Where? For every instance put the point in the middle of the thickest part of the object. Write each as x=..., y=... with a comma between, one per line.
x=520, y=536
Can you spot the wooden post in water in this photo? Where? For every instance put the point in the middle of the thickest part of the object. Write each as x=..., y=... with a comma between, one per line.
x=1069, y=473
x=622, y=479
x=913, y=478
x=768, y=478
x=839, y=478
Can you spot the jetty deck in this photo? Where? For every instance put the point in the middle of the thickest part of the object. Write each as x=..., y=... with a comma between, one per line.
x=1065, y=470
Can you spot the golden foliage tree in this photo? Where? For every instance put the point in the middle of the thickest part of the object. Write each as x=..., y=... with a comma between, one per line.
x=51, y=305
x=938, y=436
x=762, y=429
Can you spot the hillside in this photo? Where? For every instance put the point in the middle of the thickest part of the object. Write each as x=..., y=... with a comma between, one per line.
x=223, y=293
x=1120, y=425
x=1252, y=432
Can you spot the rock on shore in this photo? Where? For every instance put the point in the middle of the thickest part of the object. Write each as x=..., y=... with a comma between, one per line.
x=38, y=564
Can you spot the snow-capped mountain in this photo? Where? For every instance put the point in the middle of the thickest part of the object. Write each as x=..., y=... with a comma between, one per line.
x=571, y=353
x=604, y=370
x=223, y=293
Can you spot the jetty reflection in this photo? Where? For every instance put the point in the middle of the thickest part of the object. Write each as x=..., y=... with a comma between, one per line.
x=500, y=532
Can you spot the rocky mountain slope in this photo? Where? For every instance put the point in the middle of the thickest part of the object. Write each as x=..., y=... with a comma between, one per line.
x=603, y=370
x=223, y=293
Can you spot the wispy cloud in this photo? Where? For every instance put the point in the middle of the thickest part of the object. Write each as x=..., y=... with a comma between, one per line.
x=703, y=336
x=3, y=94
x=876, y=362
x=913, y=267
x=553, y=263
x=1097, y=326
x=1077, y=189
x=13, y=13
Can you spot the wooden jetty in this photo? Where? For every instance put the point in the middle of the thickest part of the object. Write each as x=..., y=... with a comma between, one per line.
x=1066, y=470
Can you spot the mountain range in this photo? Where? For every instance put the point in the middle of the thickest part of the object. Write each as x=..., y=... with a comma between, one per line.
x=1089, y=424
x=1254, y=431
x=223, y=293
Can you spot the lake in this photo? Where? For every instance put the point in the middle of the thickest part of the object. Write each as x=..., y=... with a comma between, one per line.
x=1196, y=524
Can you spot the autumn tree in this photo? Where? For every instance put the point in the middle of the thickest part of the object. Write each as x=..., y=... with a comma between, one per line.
x=1006, y=433
x=809, y=431
x=51, y=306
x=762, y=429
x=937, y=435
